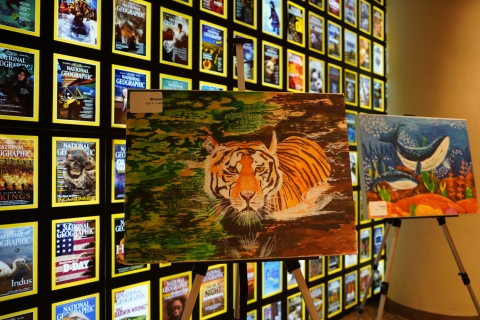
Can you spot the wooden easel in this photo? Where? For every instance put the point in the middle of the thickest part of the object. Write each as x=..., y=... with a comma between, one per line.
x=200, y=270
x=385, y=284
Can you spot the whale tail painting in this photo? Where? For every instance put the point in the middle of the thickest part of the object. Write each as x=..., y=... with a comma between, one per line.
x=412, y=166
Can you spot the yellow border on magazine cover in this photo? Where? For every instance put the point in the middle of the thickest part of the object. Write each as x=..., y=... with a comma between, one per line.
x=340, y=296
x=128, y=69
x=299, y=294
x=174, y=276
x=190, y=34
x=310, y=268
x=293, y=52
x=355, y=63
x=383, y=98
x=310, y=13
x=148, y=26
x=382, y=37
x=254, y=26
x=360, y=38
x=280, y=277
x=255, y=56
x=356, y=260
x=37, y=25
x=369, y=31
x=354, y=103
x=114, y=143
x=36, y=169
x=339, y=16
x=322, y=7
x=187, y=3
x=383, y=58
x=225, y=9
x=381, y=266
x=224, y=55
x=255, y=282
x=280, y=17
x=77, y=43
x=340, y=265
x=355, y=203
x=36, y=88
x=340, y=81
x=254, y=313
x=54, y=172
x=355, y=11
x=354, y=303
x=369, y=106
x=369, y=293
x=302, y=9
x=353, y=143
x=34, y=290
x=370, y=249
x=146, y=268
x=135, y=285
x=225, y=294
x=20, y=313
x=302, y=269
x=205, y=83
x=340, y=41
x=96, y=123
x=97, y=252
x=322, y=301
x=97, y=304
x=381, y=226
x=322, y=63
x=362, y=213
x=280, y=65
x=169, y=76
x=354, y=184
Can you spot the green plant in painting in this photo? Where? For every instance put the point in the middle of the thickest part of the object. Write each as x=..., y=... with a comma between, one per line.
x=384, y=193
x=430, y=180
x=443, y=188
x=413, y=209
x=468, y=192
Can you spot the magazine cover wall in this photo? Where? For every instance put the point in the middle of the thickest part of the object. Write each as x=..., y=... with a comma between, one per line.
x=236, y=176
x=415, y=167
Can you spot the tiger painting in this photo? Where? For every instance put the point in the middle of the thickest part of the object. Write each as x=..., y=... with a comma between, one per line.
x=251, y=182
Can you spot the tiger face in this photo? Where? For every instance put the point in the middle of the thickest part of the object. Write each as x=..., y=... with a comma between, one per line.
x=242, y=176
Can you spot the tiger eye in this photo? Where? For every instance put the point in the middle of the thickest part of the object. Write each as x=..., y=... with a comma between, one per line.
x=232, y=170
x=259, y=169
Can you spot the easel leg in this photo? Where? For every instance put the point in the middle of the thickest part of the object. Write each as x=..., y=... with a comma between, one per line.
x=463, y=274
x=397, y=223
x=375, y=265
x=199, y=272
x=241, y=292
x=293, y=266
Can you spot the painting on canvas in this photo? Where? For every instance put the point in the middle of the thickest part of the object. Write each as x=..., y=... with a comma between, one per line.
x=236, y=176
x=414, y=167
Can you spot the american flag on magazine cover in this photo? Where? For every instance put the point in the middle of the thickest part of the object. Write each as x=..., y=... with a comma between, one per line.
x=75, y=251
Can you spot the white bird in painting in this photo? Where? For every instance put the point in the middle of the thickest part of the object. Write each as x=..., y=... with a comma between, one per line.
x=5, y=270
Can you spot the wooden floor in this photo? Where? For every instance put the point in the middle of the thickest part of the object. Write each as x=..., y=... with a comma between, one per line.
x=370, y=312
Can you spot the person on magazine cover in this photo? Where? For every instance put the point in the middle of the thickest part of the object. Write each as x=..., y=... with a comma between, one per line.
x=124, y=97
x=270, y=69
x=275, y=19
x=175, y=308
x=18, y=88
x=180, y=42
